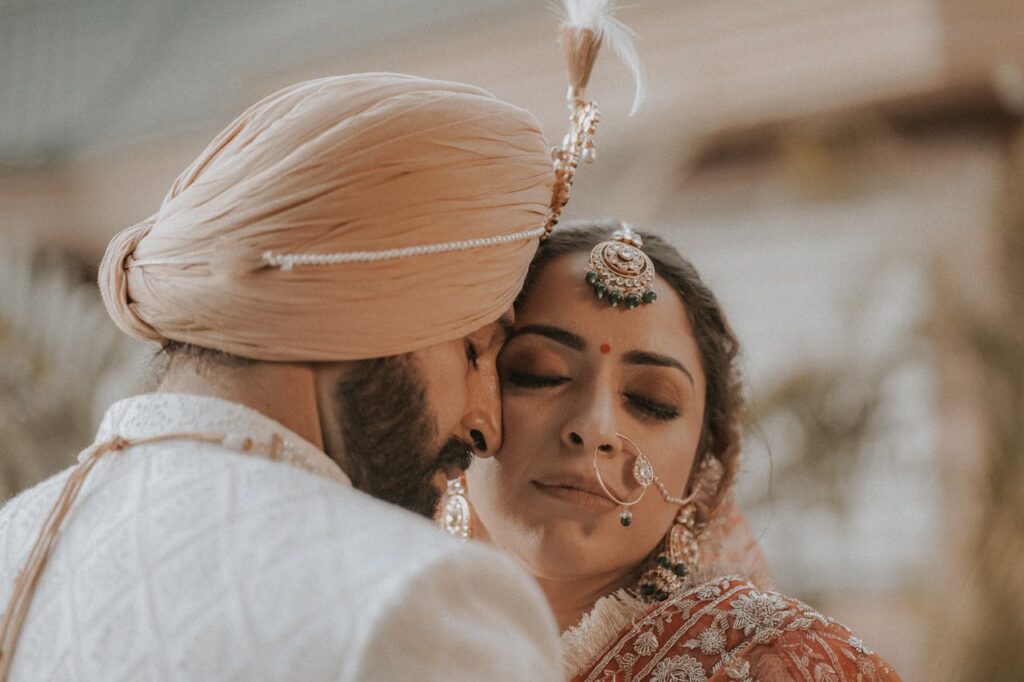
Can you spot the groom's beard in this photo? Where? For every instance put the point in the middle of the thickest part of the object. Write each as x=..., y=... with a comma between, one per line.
x=390, y=434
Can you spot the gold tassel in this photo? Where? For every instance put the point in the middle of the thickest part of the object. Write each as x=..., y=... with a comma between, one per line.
x=28, y=578
x=581, y=46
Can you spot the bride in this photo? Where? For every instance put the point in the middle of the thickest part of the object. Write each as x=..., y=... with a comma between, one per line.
x=622, y=403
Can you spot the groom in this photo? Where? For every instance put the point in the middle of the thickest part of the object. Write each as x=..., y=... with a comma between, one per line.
x=331, y=281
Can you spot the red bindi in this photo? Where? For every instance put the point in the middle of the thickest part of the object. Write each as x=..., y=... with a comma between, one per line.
x=605, y=348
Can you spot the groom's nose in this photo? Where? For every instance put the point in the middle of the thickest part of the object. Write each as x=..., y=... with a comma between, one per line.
x=481, y=424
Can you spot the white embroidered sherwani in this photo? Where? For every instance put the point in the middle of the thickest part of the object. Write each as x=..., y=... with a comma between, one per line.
x=191, y=561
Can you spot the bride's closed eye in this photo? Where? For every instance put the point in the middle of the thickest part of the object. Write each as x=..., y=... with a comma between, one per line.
x=532, y=369
x=525, y=379
x=654, y=409
x=652, y=395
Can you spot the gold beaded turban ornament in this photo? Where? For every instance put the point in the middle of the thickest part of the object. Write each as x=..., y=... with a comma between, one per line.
x=619, y=270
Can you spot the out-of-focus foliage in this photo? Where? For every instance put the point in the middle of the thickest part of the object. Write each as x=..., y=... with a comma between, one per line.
x=996, y=346
x=828, y=425
x=61, y=361
x=826, y=419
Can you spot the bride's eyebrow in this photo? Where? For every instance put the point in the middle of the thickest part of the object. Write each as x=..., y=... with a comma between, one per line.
x=562, y=336
x=640, y=357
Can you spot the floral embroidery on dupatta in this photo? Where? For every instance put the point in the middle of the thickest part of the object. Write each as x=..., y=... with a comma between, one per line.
x=723, y=630
x=679, y=669
x=760, y=614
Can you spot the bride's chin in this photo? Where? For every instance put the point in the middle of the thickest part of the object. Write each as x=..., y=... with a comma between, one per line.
x=561, y=548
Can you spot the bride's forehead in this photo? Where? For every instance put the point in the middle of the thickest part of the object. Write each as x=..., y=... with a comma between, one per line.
x=559, y=294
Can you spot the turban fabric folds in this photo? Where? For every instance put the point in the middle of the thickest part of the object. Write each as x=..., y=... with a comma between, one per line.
x=367, y=162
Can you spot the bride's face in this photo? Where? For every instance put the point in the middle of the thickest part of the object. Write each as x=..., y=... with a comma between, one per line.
x=575, y=373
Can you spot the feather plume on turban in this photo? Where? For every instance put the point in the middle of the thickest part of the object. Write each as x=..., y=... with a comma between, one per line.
x=367, y=162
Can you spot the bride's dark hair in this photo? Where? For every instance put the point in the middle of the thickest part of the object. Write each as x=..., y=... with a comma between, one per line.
x=719, y=348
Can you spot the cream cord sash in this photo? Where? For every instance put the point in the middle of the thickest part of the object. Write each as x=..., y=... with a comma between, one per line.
x=28, y=578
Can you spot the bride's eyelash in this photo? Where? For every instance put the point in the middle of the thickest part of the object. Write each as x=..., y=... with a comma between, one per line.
x=660, y=411
x=528, y=380
x=653, y=408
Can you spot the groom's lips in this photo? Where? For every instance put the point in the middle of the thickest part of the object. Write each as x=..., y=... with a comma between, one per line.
x=577, y=490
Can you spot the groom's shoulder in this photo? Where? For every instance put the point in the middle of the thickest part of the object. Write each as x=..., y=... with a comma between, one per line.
x=379, y=541
x=276, y=570
x=375, y=578
x=269, y=510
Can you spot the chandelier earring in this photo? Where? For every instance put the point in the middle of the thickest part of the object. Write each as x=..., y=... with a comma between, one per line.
x=454, y=515
x=679, y=556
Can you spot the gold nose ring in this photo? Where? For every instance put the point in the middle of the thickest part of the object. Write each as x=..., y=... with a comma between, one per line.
x=643, y=472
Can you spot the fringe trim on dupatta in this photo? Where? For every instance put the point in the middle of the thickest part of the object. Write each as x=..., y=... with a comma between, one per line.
x=611, y=615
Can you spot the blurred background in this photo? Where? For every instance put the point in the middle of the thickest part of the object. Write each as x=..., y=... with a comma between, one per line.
x=847, y=175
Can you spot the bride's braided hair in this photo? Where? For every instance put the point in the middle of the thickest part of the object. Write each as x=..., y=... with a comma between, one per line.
x=719, y=348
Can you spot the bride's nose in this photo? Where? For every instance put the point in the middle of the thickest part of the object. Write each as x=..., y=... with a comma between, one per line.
x=592, y=427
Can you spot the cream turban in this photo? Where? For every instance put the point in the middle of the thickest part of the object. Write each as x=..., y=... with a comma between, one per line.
x=361, y=163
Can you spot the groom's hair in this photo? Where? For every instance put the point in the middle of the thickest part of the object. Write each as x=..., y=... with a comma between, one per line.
x=179, y=350
x=718, y=345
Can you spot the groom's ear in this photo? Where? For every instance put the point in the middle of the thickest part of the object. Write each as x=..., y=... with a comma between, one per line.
x=326, y=377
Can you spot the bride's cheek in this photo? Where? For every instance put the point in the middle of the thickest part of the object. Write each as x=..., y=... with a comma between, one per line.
x=519, y=410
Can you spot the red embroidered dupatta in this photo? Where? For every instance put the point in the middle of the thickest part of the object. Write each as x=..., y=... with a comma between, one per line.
x=727, y=630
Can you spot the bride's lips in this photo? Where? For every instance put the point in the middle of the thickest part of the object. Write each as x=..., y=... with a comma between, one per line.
x=575, y=490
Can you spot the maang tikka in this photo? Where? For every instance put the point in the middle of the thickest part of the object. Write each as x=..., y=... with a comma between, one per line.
x=620, y=271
